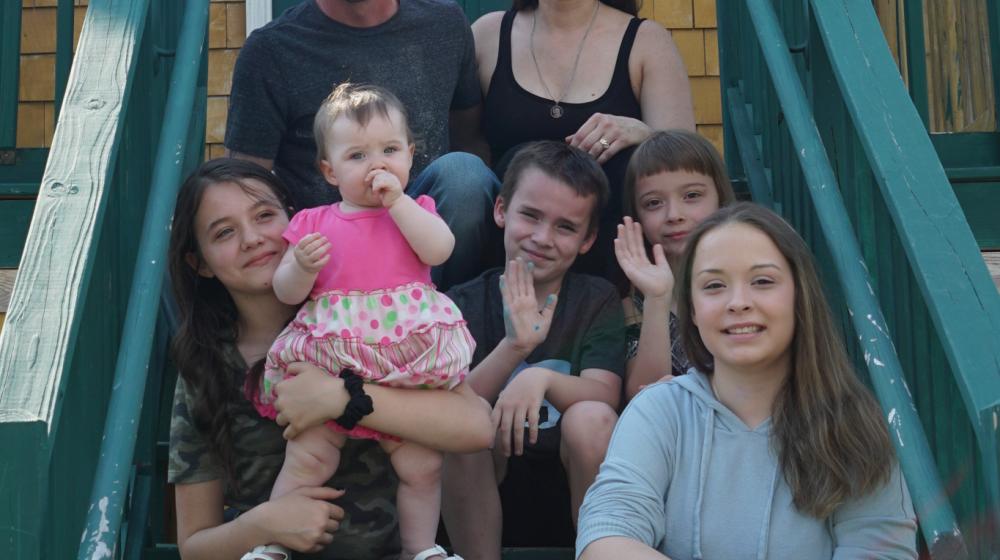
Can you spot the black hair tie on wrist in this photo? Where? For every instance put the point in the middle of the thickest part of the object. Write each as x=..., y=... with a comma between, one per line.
x=359, y=405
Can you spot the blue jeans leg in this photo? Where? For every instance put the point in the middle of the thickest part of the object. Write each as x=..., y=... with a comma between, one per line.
x=464, y=190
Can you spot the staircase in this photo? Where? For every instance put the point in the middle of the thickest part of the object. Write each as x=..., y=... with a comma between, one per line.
x=898, y=221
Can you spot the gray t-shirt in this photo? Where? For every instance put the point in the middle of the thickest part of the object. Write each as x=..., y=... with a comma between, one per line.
x=424, y=54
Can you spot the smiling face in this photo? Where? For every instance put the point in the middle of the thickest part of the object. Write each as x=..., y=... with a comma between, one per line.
x=670, y=204
x=743, y=300
x=546, y=222
x=355, y=151
x=238, y=230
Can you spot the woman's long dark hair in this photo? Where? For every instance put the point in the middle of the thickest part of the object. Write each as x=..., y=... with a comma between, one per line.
x=205, y=341
x=828, y=432
x=630, y=7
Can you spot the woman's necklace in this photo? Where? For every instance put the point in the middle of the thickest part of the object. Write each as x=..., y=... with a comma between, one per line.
x=556, y=110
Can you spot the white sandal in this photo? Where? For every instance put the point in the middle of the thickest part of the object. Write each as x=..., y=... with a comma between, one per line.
x=268, y=552
x=436, y=550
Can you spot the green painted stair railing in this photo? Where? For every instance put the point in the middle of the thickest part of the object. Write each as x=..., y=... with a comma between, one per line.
x=67, y=314
x=820, y=125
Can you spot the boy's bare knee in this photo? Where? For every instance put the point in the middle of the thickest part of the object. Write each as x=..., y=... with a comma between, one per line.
x=586, y=429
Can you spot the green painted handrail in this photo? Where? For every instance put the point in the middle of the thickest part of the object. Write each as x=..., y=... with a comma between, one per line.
x=10, y=69
x=45, y=315
x=965, y=308
x=118, y=446
x=936, y=517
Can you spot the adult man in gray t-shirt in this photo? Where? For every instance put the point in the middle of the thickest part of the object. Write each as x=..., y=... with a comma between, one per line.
x=421, y=50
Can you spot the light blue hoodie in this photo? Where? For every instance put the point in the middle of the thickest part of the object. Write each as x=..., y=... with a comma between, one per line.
x=686, y=476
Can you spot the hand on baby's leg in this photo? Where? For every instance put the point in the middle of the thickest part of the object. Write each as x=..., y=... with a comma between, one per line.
x=310, y=460
x=418, y=499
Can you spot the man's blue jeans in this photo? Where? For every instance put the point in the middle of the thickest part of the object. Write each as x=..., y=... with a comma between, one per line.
x=464, y=190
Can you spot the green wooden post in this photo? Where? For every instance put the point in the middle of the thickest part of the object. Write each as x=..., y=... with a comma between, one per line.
x=44, y=317
x=960, y=296
x=938, y=522
x=10, y=68
x=118, y=446
x=916, y=62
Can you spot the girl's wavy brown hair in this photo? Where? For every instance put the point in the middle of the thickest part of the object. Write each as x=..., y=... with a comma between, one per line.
x=206, y=337
x=827, y=432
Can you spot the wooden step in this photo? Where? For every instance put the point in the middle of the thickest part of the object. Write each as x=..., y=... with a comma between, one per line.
x=992, y=259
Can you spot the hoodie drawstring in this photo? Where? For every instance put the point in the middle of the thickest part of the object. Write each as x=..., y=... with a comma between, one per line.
x=706, y=455
x=765, y=528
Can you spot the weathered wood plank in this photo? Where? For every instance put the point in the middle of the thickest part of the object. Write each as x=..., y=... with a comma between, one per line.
x=46, y=308
x=6, y=287
x=992, y=259
x=61, y=237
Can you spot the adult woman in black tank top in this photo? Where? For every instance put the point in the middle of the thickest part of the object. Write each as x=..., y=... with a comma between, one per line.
x=583, y=71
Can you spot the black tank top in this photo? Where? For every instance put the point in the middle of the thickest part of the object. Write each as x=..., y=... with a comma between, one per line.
x=512, y=115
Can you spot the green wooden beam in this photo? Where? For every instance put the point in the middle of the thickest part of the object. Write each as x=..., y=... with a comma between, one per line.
x=15, y=215
x=44, y=317
x=23, y=177
x=111, y=482
x=916, y=61
x=10, y=68
x=885, y=372
x=752, y=163
x=960, y=296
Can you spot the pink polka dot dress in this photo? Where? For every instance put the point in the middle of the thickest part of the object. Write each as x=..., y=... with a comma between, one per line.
x=373, y=309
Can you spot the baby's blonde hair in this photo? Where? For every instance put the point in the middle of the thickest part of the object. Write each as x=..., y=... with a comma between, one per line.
x=358, y=102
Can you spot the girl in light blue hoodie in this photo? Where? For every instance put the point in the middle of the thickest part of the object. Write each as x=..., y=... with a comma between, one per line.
x=773, y=449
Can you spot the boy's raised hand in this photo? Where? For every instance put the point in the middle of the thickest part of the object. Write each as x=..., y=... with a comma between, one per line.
x=526, y=327
x=385, y=185
x=654, y=280
x=312, y=252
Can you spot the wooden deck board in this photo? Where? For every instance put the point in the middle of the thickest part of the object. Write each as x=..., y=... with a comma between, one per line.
x=992, y=259
x=6, y=287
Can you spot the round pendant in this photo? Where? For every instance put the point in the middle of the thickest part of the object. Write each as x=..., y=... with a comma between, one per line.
x=556, y=111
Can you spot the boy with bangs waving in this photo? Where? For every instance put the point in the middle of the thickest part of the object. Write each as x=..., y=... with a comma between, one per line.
x=550, y=356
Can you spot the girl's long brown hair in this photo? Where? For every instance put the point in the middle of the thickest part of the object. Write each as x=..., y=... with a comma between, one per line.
x=206, y=338
x=827, y=430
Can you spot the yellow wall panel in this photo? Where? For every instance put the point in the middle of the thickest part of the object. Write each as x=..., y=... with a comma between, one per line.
x=217, y=26
x=30, y=125
x=220, y=70
x=215, y=125
x=707, y=100
x=714, y=134
x=38, y=30
x=691, y=44
x=38, y=77
x=704, y=13
x=674, y=13
x=236, y=28
x=711, y=52
x=216, y=151
x=50, y=122
x=79, y=13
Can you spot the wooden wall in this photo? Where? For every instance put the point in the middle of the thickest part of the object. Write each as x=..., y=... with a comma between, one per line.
x=959, y=72
x=36, y=87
